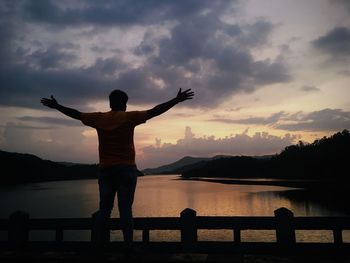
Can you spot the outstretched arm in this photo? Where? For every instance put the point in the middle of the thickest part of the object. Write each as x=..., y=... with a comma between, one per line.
x=161, y=108
x=52, y=103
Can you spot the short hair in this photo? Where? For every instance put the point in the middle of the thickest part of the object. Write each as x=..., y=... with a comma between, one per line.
x=118, y=98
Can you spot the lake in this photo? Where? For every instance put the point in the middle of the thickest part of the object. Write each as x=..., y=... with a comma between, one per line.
x=160, y=195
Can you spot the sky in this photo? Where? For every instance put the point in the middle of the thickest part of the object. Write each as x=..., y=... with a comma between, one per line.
x=266, y=74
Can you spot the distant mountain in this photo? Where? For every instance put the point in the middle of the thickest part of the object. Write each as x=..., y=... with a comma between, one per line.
x=26, y=168
x=169, y=168
x=264, y=157
x=326, y=158
x=180, y=165
x=69, y=163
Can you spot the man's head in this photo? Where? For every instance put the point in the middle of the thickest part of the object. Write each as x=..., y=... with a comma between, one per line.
x=118, y=100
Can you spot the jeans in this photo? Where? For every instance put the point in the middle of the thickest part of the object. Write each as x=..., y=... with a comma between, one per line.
x=120, y=180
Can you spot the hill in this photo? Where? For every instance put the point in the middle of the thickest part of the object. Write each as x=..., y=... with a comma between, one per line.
x=188, y=163
x=180, y=165
x=325, y=158
x=25, y=168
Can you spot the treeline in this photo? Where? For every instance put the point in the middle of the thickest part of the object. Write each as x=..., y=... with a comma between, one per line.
x=326, y=158
x=26, y=168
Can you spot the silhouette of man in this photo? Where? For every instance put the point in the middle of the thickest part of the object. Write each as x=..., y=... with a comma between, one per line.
x=118, y=171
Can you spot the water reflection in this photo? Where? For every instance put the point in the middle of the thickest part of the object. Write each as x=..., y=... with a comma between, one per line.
x=158, y=196
x=164, y=196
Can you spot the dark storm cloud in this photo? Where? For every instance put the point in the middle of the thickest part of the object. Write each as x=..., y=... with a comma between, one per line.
x=108, y=66
x=7, y=34
x=56, y=56
x=201, y=52
x=214, y=59
x=27, y=76
x=336, y=42
x=24, y=86
x=118, y=12
x=256, y=34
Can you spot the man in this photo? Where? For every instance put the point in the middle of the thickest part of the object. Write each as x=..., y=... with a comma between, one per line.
x=118, y=172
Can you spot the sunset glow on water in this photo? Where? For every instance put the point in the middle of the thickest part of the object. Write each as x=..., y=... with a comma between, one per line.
x=164, y=196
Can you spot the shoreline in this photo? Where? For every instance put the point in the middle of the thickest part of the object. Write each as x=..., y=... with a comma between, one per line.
x=301, y=184
x=260, y=181
x=316, y=186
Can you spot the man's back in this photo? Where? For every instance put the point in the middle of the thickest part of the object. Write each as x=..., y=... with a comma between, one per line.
x=115, y=131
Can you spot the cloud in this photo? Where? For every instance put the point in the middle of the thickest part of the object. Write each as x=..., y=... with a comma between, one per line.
x=273, y=119
x=108, y=66
x=56, y=56
x=196, y=50
x=307, y=88
x=51, y=120
x=260, y=143
x=25, y=126
x=234, y=109
x=323, y=120
x=211, y=59
x=345, y=3
x=344, y=72
x=24, y=86
x=335, y=43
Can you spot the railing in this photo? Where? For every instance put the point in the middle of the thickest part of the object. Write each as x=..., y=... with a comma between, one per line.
x=283, y=223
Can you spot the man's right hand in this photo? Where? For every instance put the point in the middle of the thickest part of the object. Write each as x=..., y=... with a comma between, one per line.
x=51, y=103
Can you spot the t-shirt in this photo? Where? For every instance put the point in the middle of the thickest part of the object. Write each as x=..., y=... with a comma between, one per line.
x=115, y=130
